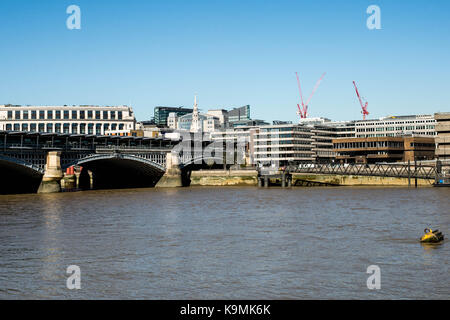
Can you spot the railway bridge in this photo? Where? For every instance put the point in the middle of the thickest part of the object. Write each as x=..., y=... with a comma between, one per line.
x=38, y=162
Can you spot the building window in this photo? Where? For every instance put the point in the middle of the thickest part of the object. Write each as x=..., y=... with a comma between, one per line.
x=33, y=127
x=105, y=114
x=105, y=127
x=74, y=114
x=74, y=128
x=98, y=128
x=58, y=127
x=97, y=115
x=41, y=127
x=16, y=127
x=119, y=115
x=121, y=126
x=113, y=126
x=25, y=127
x=82, y=128
x=8, y=127
x=90, y=128
x=33, y=114
x=25, y=115
x=66, y=128
x=10, y=113
x=113, y=115
x=41, y=115
x=50, y=114
x=57, y=114
x=89, y=114
x=49, y=127
x=66, y=114
x=82, y=114
x=17, y=115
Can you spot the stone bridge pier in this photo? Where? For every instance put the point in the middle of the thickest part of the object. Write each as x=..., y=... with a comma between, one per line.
x=173, y=177
x=51, y=181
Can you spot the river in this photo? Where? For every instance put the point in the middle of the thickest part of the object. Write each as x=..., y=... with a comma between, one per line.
x=225, y=243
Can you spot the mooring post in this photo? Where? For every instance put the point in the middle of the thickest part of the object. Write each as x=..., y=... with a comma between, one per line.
x=409, y=173
x=283, y=180
x=415, y=173
x=437, y=171
x=266, y=182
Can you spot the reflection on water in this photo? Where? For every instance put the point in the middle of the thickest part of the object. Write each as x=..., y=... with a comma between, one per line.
x=225, y=243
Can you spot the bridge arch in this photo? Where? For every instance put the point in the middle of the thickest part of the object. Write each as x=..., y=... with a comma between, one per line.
x=118, y=171
x=19, y=176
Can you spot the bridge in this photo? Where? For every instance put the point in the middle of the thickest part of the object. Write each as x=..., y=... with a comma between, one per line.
x=428, y=170
x=396, y=170
x=411, y=170
x=35, y=162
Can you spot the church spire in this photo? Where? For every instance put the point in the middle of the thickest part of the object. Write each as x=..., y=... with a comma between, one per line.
x=195, y=125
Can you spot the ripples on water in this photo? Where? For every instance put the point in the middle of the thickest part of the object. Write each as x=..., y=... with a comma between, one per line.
x=225, y=243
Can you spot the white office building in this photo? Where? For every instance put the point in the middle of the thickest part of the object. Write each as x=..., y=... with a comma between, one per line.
x=96, y=120
x=417, y=125
x=283, y=144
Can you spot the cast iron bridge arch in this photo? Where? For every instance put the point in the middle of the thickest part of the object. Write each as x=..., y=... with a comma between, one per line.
x=29, y=149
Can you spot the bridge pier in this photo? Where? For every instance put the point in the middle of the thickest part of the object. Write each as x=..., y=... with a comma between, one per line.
x=53, y=174
x=69, y=182
x=172, y=178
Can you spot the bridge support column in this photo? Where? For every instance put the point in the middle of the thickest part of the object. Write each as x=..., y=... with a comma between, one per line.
x=91, y=180
x=266, y=182
x=77, y=180
x=53, y=174
x=172, y=178
x=70, y=182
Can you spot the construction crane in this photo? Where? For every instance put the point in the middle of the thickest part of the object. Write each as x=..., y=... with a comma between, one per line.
x=303, y=110
x=363, y=106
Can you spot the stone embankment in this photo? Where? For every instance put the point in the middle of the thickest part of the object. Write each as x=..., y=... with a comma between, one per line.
x=250, y=178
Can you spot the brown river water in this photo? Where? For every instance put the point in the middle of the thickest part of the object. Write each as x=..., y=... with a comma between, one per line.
x=225, y=243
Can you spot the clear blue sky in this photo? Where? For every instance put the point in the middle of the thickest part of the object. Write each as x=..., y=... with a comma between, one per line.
x=230, y=53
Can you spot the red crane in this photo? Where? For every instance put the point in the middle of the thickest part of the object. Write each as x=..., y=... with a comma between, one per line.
x=363, y=107
x=303, y=111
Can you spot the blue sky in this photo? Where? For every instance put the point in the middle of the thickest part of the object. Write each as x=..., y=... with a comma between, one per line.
x=230, y=53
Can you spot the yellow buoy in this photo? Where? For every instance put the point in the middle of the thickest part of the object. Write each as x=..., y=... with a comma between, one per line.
x=432, y=236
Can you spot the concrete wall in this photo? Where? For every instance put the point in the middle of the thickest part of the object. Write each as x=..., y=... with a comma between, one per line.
x=343, y=180
x=224, y=178
x=249, y=178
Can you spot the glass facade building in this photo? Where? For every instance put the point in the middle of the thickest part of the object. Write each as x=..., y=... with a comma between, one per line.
x=239, y=114
x=162, y=113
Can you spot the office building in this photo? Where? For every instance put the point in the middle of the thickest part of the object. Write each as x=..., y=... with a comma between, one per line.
x=96, y=120
x=284, y=144
x=384, y=149
x=443, y=135
x=396, y=126
x=162, y=113
x=239, y=114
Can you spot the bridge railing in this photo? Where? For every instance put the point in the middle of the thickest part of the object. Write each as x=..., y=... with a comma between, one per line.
x=130, y=148
x=401, y=170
